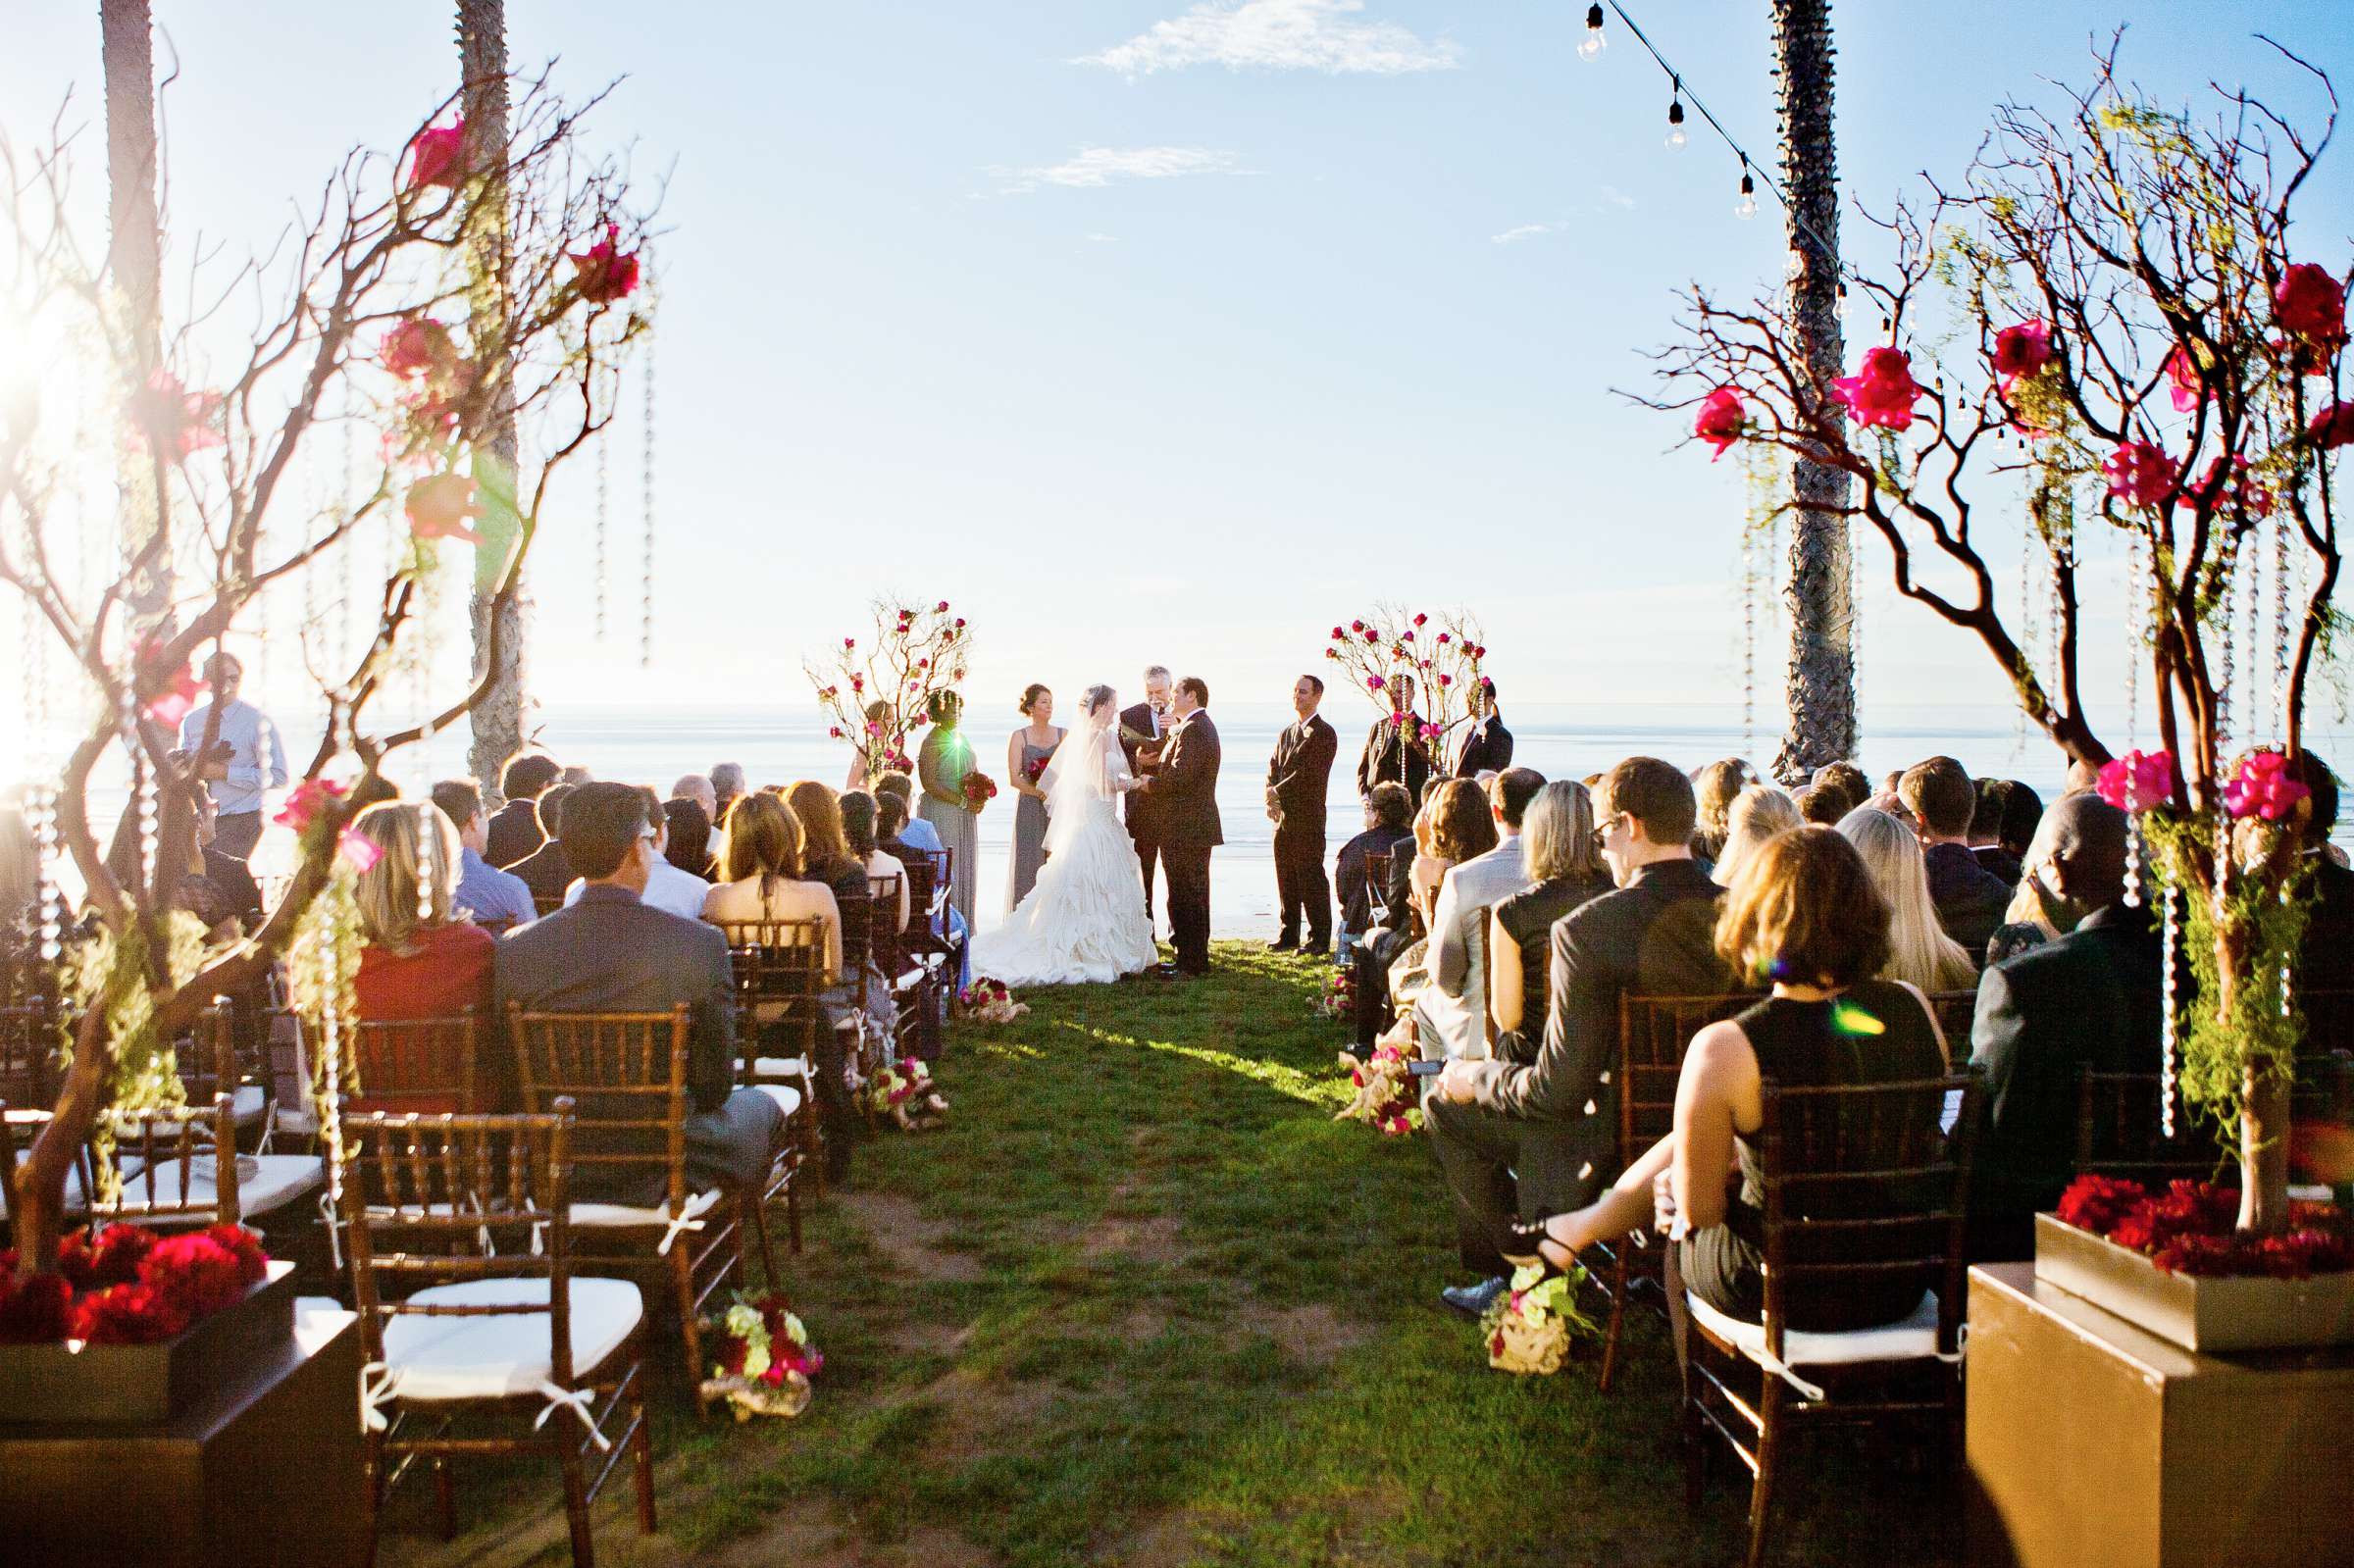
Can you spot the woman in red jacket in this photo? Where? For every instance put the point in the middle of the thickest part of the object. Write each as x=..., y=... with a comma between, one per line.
x=420, y=961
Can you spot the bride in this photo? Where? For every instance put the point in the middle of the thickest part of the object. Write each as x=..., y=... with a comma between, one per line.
x=1085, y=921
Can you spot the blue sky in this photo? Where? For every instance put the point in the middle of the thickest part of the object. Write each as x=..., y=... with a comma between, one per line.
x=1148, y=330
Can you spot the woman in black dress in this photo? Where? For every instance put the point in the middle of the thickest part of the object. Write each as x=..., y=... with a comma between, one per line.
x=1565, y=870
x=1804, y=913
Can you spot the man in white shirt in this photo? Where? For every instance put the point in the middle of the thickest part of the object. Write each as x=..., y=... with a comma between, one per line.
x=1451, y=1014
x=667, y=887
x=241, y=757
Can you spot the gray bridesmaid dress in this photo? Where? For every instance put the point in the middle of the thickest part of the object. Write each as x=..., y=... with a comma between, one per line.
x=1029, y=826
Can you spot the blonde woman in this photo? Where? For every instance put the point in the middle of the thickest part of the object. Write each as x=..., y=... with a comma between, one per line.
x=1565, y=870
x=1919, y=952
x=1757, y=814
x=420, y=959
x=1714, y=788
x=764, y=872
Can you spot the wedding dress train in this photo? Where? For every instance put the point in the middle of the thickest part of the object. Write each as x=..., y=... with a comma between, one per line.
x=1084, y=922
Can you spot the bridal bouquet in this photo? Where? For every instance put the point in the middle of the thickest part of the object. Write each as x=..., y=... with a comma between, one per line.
x=902, y=1093
x=1385, y=1092
x=979, y=790
x=765, y=1357
x=990, y=1001
x=1529, y=1326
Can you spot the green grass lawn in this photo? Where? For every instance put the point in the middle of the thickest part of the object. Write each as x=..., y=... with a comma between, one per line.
x=1143, y=1301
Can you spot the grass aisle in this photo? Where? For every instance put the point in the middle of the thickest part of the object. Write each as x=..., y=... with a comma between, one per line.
x=1143, y=1301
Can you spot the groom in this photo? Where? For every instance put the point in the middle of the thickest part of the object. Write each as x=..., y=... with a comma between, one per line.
x=1184, y=792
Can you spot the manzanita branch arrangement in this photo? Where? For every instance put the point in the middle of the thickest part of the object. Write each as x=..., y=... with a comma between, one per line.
x=478, y=286
x=1439, y=655
x=2103, y=330
x=876, y=695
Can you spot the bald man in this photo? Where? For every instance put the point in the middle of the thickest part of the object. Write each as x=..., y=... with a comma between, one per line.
x=2089, y=999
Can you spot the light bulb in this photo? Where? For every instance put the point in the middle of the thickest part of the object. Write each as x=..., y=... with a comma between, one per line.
x=1675, y=123
x=1748, y=206
x=1594, y=42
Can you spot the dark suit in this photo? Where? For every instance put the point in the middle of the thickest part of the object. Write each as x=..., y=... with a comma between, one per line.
x=1297, y=778
x=1486, y=747
x=1555, y=1122
x=1969, y=898
x=514, y=833
x=1997, y=861
x=1395, y=753
x=1185, y=801
x=545, y=870
x=611, y=953
x=1364, y=875
x=2092, y=998
x=1143, y=811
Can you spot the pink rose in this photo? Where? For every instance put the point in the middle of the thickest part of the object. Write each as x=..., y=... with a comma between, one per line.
x=2184, y=377
x=1721, y=420
x=2141, y=472
x=174, y=418
x=306, y=800
x=416, y=346
x=2021, y=352
x=361, y=850
x=439, y=506
x=1376, y=683
x=1882, y=392
x=167, y=696
x=603, y=272
x=438, y=156
x=2139, y=780
x=2254, y=496
x=2262, y=786
x=2311, y=304
x=2333, y=426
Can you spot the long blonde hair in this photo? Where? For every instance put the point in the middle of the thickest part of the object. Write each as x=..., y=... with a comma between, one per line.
x=1919, y=952
x=1757, y=814
x=409, y=836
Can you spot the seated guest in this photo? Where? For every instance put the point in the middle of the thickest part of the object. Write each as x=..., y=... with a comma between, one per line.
x=611, y=953
x=578, y=774
x=2023, y=814
x=918, y=835
x=763, y=880
x=1806, y=914
x=1450, y=1016
x=825, y=852
x=519, y=828
x=1360, y=875
x=727, y=787
x=2083, y=777
x=667, y=887
x=687, y=845
x=2036, y=914
x=1565, y=870
x=1757, y=813
x=1554, y=1121
x=1714, y=788
x=2091, y=998
x=697, y=789
x=1986, y=828
x=1969, y=898
x=1822, y=805
x=2325, y=962
x=1455, y=825
x=545, y=870
x=859, y=829
x=489, y=897
x=1846, y=781
x=421, y=959
x=891, y=830
x=1919, y=952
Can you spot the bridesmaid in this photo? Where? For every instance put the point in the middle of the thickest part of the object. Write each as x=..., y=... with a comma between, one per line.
x=1027, y=751
x=941, y=768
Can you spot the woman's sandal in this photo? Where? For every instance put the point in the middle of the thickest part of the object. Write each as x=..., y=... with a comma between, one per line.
x=1526, y=1243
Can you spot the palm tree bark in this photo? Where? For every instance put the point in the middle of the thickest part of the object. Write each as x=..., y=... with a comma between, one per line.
x=497, y=719
x=135, y=267
x=1821, y=684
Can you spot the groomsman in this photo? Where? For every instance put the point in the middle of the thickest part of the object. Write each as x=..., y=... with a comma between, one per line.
x=1143, y=732
x=1486, y=746
x=1395, y=750
x=1297, y=776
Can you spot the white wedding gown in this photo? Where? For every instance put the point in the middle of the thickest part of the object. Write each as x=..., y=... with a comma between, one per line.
x=1084, y=922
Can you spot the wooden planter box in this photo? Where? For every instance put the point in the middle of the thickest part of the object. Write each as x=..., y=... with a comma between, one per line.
x=141, y=1384
x=2214, y=1315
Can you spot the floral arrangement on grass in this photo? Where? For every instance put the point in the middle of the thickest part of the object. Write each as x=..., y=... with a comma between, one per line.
x=128, y=1286
x=902, y=1094
x=1339, y=1001
x=1385, y=1092
x=765, y=1360
x=2190, y=1229
x=989, y=1002
x=1529, y=1326
x=979, y=790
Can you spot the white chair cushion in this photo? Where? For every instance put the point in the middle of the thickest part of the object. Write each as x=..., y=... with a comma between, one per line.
x=907, y=981
x=274, y=1182
x=624, y=1214
x=433, y=1359
x=1912, y=1339
x=788, y=1098
x=781, y=1067
x=317, y=1319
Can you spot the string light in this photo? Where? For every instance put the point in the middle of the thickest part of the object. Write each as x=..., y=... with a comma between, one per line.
x=1591, y=46
x=2169, y=935
x=645, y=638
x=1747, y=206
x=1675, y=123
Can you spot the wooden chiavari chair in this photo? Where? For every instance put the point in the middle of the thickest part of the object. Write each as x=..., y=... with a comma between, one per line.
x=780, y=968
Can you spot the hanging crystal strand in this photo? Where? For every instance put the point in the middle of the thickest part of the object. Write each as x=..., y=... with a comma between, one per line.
x=2026, y=633
x=2167, y=937
x=49, y=900
x=345, y=512
x=2280, y=639
x=2137, y=594
x=2223, y=659
x=1855, y=635
x=428, y=844
x=605, y=449
x=330, y=1102
x=1749, y=639
x=645, y=644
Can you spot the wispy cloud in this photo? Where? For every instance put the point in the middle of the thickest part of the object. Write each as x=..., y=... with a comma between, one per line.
x=1092, y=167
x=1327, y=35
x=1512, y=236
x=1103, y=239
x=1617, y=197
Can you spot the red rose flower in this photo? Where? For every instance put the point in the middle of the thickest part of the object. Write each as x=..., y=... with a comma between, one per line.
x=306, y=800
x=171, y=419
x=2139, y=780
x=2141, y=472
x=2184, y=377
x=1882, y=392
x=416, y=346
x=2096, y=1203
x=2309, y=303
x=167, y=695
x=2261, y=787
x=195, y=1273
x=603, y=272
x=34, y=1311
x=2252, y=495
x=1721, y=420
x=127, y=1314
x=2021, y=352
x=438, y=156
x=2333, y=426
x=112, y=1257
x=440, y=505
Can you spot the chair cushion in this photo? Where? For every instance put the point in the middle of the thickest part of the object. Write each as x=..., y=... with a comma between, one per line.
x=908, y=982
x=488, y=1358
x=1912, y=1339
x=781, y=1067
x=318, y=1319
x=268, y=1183
x=788, y=1098
x=619, y=1215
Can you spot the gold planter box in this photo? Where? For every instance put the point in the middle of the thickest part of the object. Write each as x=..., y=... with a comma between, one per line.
x=2216, y=1315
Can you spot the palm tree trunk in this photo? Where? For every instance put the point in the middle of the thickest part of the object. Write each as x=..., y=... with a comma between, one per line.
x=1821, y=686
x=498, y=718
x=135, y=269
